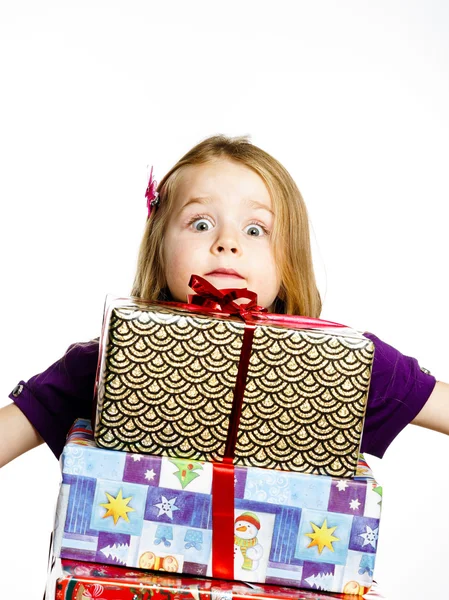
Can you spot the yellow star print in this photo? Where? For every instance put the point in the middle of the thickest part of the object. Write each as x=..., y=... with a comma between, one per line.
x=117, y=507
x=322, y=537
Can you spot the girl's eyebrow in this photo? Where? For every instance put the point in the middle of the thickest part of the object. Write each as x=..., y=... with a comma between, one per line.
x=196, y=200
x=207, y=200
x=259, y=205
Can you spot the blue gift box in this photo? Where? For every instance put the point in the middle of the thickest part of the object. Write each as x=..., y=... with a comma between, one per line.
x=308, y=531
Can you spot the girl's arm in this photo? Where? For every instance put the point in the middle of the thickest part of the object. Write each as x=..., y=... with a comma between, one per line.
x=435, y=412
x=17, y=435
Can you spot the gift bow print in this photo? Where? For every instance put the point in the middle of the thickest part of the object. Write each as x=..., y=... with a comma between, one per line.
x=95, y=592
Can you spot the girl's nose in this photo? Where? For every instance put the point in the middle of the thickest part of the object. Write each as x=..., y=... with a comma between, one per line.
x=226, y=247
x=225, y=242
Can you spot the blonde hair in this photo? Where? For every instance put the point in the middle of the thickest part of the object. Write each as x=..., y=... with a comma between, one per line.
x=290, y=236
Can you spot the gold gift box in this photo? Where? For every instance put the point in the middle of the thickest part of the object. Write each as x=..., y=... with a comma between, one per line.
x=166, y=380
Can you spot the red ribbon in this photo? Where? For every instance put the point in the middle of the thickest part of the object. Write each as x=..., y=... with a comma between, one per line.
x=210, y=299
x=223, y=520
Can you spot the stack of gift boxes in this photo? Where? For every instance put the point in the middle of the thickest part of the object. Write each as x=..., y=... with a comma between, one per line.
x=224, y=446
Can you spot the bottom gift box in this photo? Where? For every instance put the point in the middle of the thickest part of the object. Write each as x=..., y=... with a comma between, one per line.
x=73, y=580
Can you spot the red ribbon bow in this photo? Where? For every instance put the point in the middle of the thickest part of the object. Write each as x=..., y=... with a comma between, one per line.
x=223, y=301
x=210, y=297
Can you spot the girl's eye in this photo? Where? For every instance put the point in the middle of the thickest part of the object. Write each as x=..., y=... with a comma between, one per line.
x=201, y=224
x=255, y=230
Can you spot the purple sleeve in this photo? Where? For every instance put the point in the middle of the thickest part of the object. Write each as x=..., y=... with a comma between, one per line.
x=399, y=389
x=52, y=400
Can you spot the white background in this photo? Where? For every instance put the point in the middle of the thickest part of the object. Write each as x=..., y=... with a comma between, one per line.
x=351, y=96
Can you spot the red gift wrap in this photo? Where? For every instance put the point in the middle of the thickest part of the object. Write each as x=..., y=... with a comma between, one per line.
x=91, y=581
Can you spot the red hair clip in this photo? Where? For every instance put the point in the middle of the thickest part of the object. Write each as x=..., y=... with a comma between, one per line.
x=151, y=194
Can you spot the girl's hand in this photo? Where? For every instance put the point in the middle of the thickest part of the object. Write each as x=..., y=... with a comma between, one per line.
x=435, y=413
x=17, y=435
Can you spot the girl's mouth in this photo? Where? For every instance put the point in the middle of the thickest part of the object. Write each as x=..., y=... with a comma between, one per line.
x=224, y=273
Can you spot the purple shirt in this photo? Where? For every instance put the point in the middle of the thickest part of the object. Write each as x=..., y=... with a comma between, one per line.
x=53, y=399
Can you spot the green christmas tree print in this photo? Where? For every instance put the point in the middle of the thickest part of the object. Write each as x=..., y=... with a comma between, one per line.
x=187, y=470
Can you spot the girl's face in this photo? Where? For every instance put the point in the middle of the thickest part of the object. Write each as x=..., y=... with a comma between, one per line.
x=220, y=229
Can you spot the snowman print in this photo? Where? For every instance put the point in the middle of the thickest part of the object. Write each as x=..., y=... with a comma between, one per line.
x=246, y=546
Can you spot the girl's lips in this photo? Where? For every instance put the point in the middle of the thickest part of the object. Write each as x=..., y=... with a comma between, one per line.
x=224, y=273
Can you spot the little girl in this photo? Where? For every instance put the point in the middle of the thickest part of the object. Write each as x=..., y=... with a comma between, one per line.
x=231, y=213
